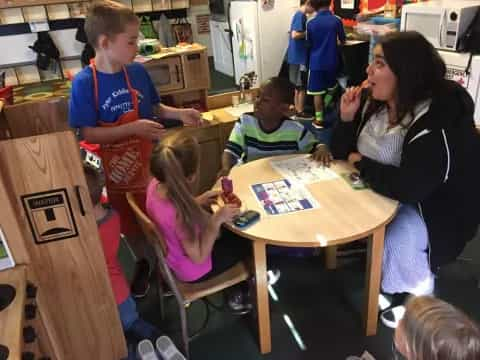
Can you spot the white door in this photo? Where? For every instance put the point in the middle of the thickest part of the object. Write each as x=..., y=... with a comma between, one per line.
x=244, y=25
x=274, y=24
x=222, y=51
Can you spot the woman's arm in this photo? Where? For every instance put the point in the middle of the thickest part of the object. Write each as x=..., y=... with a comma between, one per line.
x=425, y=165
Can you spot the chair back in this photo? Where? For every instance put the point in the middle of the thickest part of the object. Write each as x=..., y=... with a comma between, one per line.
x=149, y=229
x=156, y=239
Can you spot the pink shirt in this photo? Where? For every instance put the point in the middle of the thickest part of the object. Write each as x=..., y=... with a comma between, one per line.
x=164, y=215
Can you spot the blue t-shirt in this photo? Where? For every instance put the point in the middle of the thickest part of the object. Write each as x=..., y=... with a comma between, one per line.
x=297, y=49
x=114, y=99
x=322, y=34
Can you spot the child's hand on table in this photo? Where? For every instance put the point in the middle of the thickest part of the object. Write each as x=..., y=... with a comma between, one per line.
x=354, y=157
x=148, y=129
x=190, y=117
x=226, y=214
x=322, y=154
x=208, y=198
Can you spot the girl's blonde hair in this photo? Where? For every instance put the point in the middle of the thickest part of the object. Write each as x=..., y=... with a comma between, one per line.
x=436, y=330
x=174, y=162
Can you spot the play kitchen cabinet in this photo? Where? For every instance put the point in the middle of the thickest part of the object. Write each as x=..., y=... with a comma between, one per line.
x=47, y=219
x=182, y=74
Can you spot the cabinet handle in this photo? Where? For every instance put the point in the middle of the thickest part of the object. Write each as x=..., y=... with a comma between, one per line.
x=79, y=198
x=177, y=72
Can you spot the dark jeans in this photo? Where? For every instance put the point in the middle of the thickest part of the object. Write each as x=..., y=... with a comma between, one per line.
x=228, y=250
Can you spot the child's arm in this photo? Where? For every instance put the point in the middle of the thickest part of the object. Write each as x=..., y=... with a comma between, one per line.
x=199, y=251
x=187, y=116
x=228, y=161
x=297, y=35
x=105, y=135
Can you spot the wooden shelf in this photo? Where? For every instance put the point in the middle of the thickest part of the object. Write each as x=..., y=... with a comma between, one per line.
x=6, y=4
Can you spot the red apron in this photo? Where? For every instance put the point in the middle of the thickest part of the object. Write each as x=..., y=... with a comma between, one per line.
x=125, y=163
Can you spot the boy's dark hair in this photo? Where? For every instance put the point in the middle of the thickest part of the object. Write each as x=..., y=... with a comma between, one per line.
x=107, y=18
x=317, y=4
x=303, y=2
x=95, y=183
x=284, y=88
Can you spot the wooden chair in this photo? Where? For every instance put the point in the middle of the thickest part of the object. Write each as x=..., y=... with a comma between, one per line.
x=185, y=293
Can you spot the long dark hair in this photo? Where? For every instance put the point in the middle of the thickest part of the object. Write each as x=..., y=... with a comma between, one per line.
x=419, y=69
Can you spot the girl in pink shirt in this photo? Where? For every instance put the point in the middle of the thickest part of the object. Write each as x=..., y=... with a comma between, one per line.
x=191, y=232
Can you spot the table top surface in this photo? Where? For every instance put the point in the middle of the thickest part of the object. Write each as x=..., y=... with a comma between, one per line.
x=344, y=214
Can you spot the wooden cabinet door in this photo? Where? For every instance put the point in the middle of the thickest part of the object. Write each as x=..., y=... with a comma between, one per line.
x=37, y=117
x=166, y=74
x=43, y=176
x=161, y=5
x=197, y=74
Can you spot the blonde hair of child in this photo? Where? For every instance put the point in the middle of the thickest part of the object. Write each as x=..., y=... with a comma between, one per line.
x=175, y=163
x=436, y=330
x=107, y=18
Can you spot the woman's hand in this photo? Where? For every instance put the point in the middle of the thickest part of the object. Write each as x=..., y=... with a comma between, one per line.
x=226, y=214
x=208, y=198
x=323, y=155
x=354, y=157
x=350, y=103
x=190, y=117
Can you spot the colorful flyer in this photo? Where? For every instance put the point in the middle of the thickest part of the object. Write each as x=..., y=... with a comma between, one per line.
x=302, y=169
x=281, y=197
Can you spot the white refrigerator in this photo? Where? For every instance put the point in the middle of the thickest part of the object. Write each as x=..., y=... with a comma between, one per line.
x=260, y=33
x=457, y=64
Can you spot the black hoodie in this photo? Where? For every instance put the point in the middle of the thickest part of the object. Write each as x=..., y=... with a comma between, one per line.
x=439, y=170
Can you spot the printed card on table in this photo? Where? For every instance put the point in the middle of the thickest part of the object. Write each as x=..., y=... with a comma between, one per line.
x=281, y=197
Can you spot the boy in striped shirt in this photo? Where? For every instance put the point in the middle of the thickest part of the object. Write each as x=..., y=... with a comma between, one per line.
x=268, y=131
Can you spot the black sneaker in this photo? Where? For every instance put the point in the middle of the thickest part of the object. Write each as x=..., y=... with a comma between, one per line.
x=303, y=116
x=238, y=303
x=141, y=280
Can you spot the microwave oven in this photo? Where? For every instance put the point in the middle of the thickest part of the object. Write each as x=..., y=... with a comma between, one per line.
x=442, y=22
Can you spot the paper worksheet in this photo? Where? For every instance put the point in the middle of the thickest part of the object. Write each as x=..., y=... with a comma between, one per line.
x=303, y=170
x=281, y=197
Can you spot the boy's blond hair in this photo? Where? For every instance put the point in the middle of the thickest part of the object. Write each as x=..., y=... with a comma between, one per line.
x=107, y=18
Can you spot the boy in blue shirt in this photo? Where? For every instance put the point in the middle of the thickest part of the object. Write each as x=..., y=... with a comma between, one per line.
x=324, y=31
x=112, y=103
x=297, y=55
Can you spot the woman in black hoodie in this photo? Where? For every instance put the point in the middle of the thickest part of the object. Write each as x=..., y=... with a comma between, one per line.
x=412, y=137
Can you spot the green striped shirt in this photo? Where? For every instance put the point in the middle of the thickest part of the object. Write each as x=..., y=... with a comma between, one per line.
x=248, y=141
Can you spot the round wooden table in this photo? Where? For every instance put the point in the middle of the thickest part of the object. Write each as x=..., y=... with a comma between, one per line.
x=344, y=215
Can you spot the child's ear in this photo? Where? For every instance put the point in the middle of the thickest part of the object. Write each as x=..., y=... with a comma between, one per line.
x=102, y=41
x=286, y=110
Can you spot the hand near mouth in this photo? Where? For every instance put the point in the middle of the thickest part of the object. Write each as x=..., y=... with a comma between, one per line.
x=350, y=103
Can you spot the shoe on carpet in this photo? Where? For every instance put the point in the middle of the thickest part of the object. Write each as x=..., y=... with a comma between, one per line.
x=392, y=316
x=167, y=349
x=141, y=329
x=238, y=302
x=141, y=280
x=146, y=351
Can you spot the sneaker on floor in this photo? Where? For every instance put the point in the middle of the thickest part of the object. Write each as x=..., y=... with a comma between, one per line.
x=167, y=349
x=146, y=351
x=273, y=276
x=384, y=301
x=365, y=356
x=392, y=316
x=141, y=280
x=303, y=116
x=238, y=303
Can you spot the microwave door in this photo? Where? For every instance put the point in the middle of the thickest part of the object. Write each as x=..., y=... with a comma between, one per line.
x=426, y=23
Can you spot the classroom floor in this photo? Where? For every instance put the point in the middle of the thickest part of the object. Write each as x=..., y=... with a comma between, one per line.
x=220, y=83
x=323, y=306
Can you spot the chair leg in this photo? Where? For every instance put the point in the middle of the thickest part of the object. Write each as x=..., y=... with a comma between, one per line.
x=160, y=294
x=185, y=337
